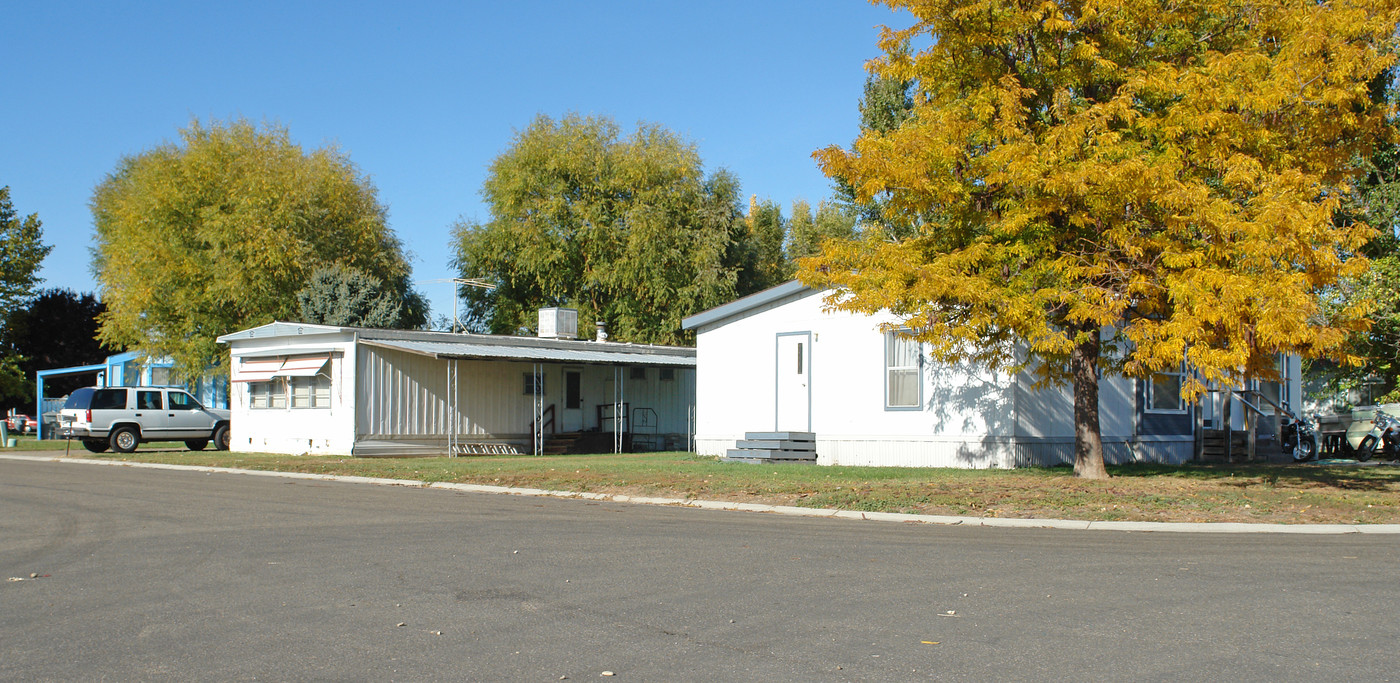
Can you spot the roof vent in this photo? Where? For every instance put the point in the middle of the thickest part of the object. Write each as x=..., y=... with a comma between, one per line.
x=558, y=323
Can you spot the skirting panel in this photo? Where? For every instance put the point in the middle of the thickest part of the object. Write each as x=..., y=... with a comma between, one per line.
x=972, y=453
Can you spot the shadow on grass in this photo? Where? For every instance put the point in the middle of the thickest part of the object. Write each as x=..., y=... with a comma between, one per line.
x=1350, y=477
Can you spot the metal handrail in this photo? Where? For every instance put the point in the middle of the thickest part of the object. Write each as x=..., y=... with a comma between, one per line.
x=1276, y=406
x=546, y=420
x=1257, y=410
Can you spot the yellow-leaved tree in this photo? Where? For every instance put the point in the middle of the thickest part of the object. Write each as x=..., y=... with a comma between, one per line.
x=221, y=230
x=1112, y=186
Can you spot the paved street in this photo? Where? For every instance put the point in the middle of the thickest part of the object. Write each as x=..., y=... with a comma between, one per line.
x=168, y=575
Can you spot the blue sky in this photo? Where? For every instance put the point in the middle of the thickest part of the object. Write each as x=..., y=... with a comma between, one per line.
x=420, y=95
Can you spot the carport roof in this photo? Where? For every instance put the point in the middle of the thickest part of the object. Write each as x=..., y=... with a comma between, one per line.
x=449, y=345
x=577, y=352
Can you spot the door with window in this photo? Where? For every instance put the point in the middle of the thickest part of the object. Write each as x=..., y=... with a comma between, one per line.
x=151, y=409
x=794, y=386
x=186, y=417
x=571, y=420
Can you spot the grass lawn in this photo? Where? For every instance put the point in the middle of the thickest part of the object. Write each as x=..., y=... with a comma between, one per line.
x=1294, y=494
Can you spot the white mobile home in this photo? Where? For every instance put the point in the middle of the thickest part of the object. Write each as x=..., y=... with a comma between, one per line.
x=300, y=388
x=776, y=362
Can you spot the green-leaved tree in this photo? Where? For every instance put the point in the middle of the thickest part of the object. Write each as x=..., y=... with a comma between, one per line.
x=57, y=328
x=764, y=259
x=220, y=230
x=627, y=229
x=344, y=296
x=22, y=251
x=807, y=232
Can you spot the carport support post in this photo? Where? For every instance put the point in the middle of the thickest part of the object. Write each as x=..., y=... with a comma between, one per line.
x=538, y=393
x=617, y=408
x=452, y=407
x=39, y=409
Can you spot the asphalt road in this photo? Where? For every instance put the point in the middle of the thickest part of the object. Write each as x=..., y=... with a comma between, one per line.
x=166, y=575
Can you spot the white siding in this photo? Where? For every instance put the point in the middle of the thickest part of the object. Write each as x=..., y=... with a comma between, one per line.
x=389, y=395
x=736, y=392
x=969, y=417
x=296, y=431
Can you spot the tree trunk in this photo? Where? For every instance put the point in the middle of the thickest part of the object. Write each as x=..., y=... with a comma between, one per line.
x=1088, y=442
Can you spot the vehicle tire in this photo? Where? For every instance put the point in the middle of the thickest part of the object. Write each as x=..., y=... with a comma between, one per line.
x=1391, y=450
x=196, y=444
x=1305, y=450
x=221, y=438
x=1366, y=448
x=124, y=439
x=95, y=445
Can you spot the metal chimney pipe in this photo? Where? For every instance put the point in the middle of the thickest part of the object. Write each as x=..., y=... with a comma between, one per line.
x=602, y=331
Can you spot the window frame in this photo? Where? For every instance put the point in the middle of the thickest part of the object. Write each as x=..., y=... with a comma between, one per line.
x=300, y=394
x=170, y=402
x=315, y=386
x=144, y=394
x=274, y=391
x=527, y=382
x=887, y=341
x=1150, y=392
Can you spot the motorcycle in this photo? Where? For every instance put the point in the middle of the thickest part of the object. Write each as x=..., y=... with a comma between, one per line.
x=1385, y=432
x=1300, y=439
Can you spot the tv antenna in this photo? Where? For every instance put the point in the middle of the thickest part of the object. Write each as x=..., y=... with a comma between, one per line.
x=457, y=281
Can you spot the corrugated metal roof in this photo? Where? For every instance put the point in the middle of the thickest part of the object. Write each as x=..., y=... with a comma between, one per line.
x=604, y=353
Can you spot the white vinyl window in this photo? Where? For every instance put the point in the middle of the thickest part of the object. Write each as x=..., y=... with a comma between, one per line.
x=257, y=395
x=321, y=392
x=903, y=376
x=270, y=395
x=311, y=392
x=301, y=392
x=1164, y=393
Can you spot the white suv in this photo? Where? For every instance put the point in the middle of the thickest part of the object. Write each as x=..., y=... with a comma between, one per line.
x=123, y=417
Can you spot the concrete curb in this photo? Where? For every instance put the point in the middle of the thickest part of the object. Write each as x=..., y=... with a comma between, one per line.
x=944, y=520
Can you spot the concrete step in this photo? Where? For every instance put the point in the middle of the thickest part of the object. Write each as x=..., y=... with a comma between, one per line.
x=777, y=445
x=781, y=436
x=770, y=455
x=767, y=461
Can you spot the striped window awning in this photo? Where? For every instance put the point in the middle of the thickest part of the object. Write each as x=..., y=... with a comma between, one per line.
x=305, y=366
x=264, y=369
x=257, y=370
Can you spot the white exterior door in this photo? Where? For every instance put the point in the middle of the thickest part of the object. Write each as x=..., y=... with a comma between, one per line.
x=794, y=386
